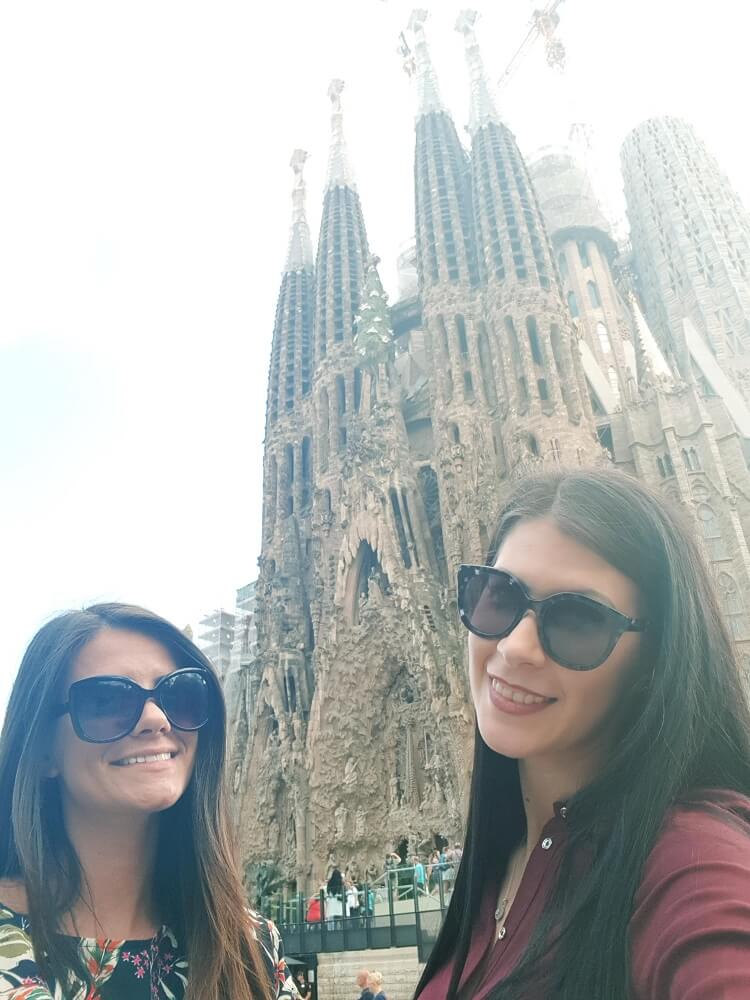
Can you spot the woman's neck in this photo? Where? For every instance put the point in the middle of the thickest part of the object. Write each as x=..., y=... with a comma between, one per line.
x=544, y=782
x=117, y=858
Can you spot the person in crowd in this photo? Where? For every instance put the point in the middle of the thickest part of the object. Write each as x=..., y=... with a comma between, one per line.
x=303, y=987
x=334, y=898
x=375, y=985
x=117, y=871
x=449, y=872
x=434, y=873
x=363, y=977
x=420, y=876
x=607, y=852
x=352, y=898
x=314, y=914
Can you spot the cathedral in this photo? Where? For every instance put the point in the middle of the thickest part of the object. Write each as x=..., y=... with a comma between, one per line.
x=524, y=337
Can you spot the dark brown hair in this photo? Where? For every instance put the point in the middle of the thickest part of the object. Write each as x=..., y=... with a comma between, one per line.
x=684, y=731
x=197, y=882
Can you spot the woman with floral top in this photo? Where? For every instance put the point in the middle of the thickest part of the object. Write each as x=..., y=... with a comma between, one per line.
x=117, y=875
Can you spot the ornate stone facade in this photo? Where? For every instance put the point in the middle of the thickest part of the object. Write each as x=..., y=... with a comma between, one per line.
x=391, y=438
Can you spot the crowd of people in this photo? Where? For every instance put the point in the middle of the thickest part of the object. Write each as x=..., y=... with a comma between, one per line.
x=345, y=895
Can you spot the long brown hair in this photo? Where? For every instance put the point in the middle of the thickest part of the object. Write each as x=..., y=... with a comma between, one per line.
x=197, y=882
x=685, y=733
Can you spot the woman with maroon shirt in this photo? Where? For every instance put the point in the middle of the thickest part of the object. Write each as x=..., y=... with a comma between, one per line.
x=609, y=809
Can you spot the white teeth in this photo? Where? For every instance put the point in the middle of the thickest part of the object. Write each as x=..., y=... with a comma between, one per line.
x=126, y=761
x=519, y=697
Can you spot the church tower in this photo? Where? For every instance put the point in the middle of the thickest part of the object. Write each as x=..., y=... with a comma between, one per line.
x=691, y=251
x=526, y=325
x=355, y=644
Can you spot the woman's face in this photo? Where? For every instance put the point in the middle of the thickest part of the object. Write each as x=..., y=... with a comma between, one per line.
x=572, y=723
x=95, y=782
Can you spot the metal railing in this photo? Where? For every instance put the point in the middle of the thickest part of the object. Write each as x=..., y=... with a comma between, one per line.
x=395, y=912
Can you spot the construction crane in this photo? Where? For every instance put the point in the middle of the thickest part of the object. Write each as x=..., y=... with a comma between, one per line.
x=544, y=24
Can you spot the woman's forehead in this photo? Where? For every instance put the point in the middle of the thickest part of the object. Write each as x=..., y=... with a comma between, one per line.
x=123, y=652
x=548, y=561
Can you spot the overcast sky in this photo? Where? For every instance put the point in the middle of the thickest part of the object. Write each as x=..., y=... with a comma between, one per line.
x=144, y=211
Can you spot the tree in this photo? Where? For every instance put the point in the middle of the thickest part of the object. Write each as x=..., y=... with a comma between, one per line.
x=263, y=879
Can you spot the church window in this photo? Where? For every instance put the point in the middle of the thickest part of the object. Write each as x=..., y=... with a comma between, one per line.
x=711, y=532
x=468, y=387
x=541, y=385
x=695, y=462
x=554, y=449
x=463, y=343
x=340, y=395
x=290, y=690
x=455, y=434
x=272, y=489
x=533, y=445
x=486, y=368
x=533, y=333
x=357, y=389
x=523, y=391
x=342, y=438
x=562, y=263
x=660, y=466
x=573, y=305
x=604, y=341
x=306, y=471
x=409, y=525
x=733, y=606
x=594, y=297
x=443, y=335
x=400, y=532
x=324, y=422
x=583, y=253
x=448, y=385
x=326, y=501
x=668, y=467
x=430, y=493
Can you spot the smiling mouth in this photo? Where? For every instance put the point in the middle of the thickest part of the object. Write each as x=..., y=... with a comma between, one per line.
x=151, y=758
x=519, y=697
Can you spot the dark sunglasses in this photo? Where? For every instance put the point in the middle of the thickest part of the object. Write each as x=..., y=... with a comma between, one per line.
x=575, y=631
x=106, y=708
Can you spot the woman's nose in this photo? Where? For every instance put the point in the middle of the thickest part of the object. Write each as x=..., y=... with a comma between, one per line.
x=522, y=645
x=153, y=719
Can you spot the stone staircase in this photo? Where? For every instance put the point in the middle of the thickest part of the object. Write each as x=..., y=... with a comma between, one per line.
x=337, y=972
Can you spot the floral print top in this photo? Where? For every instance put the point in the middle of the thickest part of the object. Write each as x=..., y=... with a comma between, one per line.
x=155, y=969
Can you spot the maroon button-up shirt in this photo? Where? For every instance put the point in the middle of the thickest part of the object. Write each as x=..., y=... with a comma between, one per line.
x=690, y=928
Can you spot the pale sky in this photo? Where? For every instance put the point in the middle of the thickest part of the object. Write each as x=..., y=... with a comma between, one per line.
x=144, y=213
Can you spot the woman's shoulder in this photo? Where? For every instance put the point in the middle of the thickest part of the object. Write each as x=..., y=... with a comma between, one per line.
x=708, y=826
x=272, y=950
x=690, y=927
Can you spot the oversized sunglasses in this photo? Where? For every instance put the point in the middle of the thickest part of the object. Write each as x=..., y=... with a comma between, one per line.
x=106, y=708
x=575, y=631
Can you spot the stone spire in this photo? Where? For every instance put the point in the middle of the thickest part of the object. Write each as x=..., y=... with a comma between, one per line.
x=373, y=341
x=300, y=256
x=342, y=244
x=651, y=358
x=483, y=108
x=428, y=92
x=339, y=170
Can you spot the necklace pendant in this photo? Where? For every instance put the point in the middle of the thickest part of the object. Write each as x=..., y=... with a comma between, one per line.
x=500, y=911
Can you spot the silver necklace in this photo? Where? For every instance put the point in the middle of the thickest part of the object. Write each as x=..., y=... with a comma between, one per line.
x=503, y=900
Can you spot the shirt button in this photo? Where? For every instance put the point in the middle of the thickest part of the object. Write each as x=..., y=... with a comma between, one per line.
x=564, y=812
x=501, y=933
x=546, y=843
